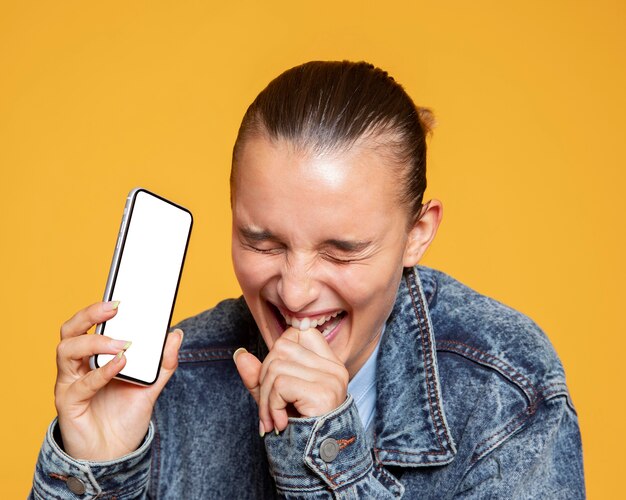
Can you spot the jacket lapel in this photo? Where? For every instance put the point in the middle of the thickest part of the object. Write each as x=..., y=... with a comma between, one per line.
x=411, y=427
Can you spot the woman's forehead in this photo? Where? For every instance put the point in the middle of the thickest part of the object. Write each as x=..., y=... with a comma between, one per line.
x=276, y=163
x=279, y=189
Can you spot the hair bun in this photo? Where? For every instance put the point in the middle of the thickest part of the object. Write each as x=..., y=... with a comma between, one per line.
x=427, y=119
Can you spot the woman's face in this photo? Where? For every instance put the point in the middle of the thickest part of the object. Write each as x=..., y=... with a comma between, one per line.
x=320, y=241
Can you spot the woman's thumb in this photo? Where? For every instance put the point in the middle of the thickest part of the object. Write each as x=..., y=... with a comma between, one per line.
x=249, y=368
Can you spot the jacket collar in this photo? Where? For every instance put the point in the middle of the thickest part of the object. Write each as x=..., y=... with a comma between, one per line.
x=411, y=427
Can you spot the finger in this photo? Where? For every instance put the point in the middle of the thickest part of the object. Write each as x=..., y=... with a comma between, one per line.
x=170, y=362
x=86, y=387
x=72, y=351
x=291, y=333
x=286, y=349
x=249, y=368
x=281, y=368
x=285, y=390
x=170, y=354
x=313, y=340
x=84, y=319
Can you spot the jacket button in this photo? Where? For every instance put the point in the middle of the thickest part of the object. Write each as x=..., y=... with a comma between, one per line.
x=76, y=486
x=329, y=449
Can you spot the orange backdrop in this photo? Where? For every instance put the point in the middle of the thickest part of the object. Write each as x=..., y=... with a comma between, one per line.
x=528, y=158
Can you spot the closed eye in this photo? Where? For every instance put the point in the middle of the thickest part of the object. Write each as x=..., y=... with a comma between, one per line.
x=346, y=251
x=342, y=260
x=259, y=241
x=257, y=249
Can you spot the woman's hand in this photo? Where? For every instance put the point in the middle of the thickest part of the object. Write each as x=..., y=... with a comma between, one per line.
x=300, y=370
x=101, y=418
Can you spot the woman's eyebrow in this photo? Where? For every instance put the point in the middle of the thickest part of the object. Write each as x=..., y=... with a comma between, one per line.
x=252, y=234
x=352, y=246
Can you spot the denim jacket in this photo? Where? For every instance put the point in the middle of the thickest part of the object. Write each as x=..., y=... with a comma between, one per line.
x=471, y=403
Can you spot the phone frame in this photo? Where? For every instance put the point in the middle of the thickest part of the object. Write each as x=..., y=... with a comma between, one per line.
x=113, y=272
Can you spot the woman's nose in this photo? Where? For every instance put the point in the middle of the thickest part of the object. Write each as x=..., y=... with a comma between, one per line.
x=297, y=287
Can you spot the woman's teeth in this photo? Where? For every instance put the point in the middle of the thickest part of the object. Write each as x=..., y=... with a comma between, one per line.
x=306, y=323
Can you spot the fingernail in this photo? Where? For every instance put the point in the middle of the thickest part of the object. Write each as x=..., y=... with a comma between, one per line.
x=109, y=306
x=119, y=355
x=121, y=344
x=237, y=353
x=261, y=428
x=181, y=333
x=276, y=431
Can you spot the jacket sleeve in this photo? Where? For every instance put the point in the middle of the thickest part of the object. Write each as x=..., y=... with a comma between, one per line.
x=327, y=457
x=542, y=460
x=57, y=475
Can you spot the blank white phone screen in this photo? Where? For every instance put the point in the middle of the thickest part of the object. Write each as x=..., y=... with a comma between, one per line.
x=146, y=282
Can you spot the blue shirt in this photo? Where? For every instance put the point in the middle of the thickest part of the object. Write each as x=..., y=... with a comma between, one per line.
x=363, y=387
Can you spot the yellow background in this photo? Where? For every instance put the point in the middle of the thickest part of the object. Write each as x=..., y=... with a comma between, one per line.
x=528, y=158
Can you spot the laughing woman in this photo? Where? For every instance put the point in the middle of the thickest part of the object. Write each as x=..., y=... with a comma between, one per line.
x=357, y=373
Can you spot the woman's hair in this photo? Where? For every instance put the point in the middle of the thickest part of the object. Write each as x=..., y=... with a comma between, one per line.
x=325, y=107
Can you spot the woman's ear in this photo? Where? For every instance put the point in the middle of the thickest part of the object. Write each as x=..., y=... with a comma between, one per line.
x=422, y=233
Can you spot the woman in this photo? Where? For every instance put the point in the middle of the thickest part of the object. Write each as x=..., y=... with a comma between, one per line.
x=357, y=373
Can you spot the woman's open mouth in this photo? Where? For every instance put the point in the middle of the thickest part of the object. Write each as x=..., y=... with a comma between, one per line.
x=325, y=323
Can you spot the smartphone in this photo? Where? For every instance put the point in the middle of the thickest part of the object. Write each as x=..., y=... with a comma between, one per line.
x=144, y=276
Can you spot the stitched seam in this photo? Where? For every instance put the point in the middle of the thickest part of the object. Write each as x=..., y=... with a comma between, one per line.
x=524, y=414
x=464, y=354
x=386, y=475
x=554, y=393
x=529, y=412
x=432, y=367
x=513, y=373
x=345, y=442
x=507, y=369
x=330, y=477
x=376, y=450
x=427, y=366
x=289, y=476
x=568, y=400
x=301, y=489
x=430, y=403
x=391, y=450
x=443, y=461
x=540, y=394
x=563, y=391
x=443, y=450
x=209, y=349
x=508, y=434
x=203, y=360
x=313, y=460
x=333, y=477
x=379, y=461
x=542, y=388
x=208, y=353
